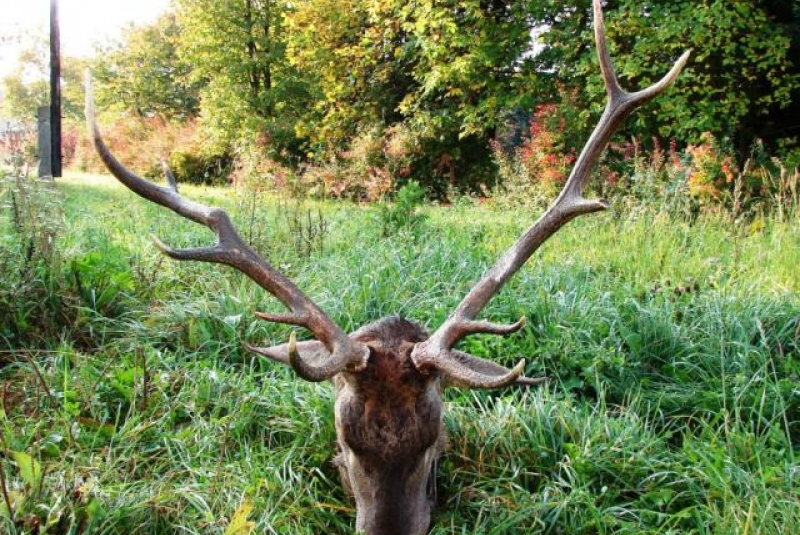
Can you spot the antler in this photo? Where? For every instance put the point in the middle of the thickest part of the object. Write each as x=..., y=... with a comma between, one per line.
x=437, y=352
x=231, y=250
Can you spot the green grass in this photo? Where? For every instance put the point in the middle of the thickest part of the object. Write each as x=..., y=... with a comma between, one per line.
x=673, y=348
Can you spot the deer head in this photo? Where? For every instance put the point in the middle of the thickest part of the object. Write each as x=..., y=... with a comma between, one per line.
x=389, y=375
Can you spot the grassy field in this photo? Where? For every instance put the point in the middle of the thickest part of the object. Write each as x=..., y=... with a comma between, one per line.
x=129, y=405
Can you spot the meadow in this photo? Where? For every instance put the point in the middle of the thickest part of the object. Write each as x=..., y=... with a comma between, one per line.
x=130, y=406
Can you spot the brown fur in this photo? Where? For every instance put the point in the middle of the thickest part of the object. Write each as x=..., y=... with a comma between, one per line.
x=389, y=427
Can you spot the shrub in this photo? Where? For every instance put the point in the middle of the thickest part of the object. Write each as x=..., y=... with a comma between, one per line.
x=402, y=213
x=712, y=171
x=197, y=167
x=142, y=143
x=635, y=179
x=254, y=170
x=533, y=173
x=18, y=146
x=44, y=296
x=762, y=184
x=705, y=177
x=374, y=163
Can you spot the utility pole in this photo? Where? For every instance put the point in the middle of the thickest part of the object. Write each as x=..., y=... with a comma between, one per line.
x=55, y=89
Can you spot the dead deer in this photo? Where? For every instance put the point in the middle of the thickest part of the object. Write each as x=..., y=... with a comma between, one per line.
x=389, y=374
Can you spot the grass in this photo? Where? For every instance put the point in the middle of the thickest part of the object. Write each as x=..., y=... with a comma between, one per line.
x=674, y=350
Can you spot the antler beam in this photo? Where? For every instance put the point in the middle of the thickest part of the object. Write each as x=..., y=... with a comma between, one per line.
x=437, y=352
x=230, y=249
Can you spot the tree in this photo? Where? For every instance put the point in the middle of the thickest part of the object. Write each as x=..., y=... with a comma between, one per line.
x=470, y=63
x=742, y=71
x=143, y=73
x=784, y=124
x=448, y=71
x=27, y=87
x=237, y=49
x=354, y=64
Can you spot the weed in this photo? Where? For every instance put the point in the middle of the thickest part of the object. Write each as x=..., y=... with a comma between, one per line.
x=403, y=212
x=32, y=304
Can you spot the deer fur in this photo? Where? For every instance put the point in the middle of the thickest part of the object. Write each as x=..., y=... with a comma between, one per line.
x=389, y=431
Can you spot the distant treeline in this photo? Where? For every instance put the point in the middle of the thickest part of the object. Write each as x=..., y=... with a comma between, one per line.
x=316, y=81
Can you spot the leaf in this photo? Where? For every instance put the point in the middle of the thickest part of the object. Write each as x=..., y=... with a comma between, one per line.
x=573, y=382
x=16, y=498
x=29, y=469
x=51, y=445
x=95, y=510
x=661, y=496
x=239, y=524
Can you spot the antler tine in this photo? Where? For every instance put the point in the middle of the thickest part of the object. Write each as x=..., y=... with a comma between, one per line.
x=613, y=89
x=437, y=352
x=230, y=249
x=173, y=184
x=621, y=104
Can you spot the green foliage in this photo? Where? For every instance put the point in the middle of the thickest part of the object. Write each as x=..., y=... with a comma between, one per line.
x=306, y=83
x=144, y=74
x=30, y=470
x=450, y=68
x=237, y=49
x=742, y=72
x=466, y=62
x=443, y=72
x=404, y=212
x=27, y=87
x=103, y=280
x=21, y=99
x=32, y=305
x=193, y=166
x=332, y=41
x=705, y=177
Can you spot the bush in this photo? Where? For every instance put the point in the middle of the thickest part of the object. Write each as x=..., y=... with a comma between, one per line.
x=374, y=163
x=254, y=170
x=142, y=143
x=703, y=178
x=402, y=213
x=18, y=146
x=44, y=296
x=763, y=184
x=198, y=168
x=533, y=173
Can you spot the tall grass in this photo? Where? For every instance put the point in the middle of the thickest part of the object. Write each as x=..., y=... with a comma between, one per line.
x=673, y=348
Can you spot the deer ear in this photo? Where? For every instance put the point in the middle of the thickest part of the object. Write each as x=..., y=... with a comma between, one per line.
x=312, y=352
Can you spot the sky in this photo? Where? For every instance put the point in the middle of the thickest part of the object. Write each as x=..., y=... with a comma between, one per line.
x=83, y=23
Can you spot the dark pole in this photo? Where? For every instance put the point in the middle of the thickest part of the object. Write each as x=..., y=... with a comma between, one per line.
x=55, y=88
